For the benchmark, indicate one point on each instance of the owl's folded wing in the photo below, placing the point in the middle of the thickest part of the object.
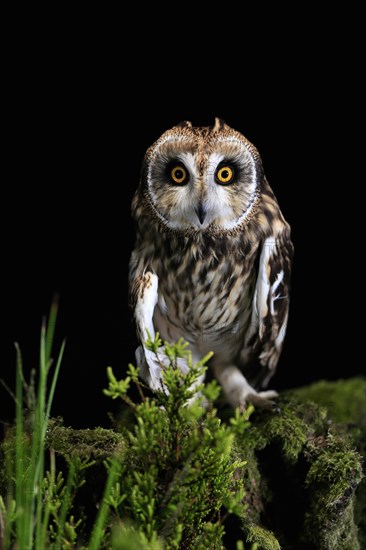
(264, 339)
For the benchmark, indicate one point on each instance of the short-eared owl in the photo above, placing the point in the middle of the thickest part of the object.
(212, 258)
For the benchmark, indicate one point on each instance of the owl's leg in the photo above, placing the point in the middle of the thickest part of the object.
(238, 391)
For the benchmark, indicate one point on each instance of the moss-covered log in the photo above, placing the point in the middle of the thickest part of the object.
(304, 464)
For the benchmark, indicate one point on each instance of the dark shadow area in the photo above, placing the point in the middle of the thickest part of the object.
(288, 501)
(73, 152)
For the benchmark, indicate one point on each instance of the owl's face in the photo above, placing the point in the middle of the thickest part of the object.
(202, 179)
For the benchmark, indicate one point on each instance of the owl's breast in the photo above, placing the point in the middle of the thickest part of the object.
(205, 299)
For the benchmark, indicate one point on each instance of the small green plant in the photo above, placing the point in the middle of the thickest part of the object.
(173, 486)
(180, 477)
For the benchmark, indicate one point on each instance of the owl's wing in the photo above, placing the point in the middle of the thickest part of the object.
(264, 339)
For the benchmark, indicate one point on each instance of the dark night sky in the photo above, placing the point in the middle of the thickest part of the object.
(78, 126)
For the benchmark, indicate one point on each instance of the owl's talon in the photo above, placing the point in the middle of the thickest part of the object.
(268, 394)
(261, 400)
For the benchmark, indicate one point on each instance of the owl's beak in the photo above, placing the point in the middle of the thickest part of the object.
(201, 212)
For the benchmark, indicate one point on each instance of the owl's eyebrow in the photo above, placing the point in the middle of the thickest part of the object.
(173, 147)
(189, 161)
(217, 159)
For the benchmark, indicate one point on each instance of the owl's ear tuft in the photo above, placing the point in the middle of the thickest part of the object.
(219, 124)
(184, 124)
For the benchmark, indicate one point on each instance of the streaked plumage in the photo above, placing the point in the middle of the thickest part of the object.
(212, 258)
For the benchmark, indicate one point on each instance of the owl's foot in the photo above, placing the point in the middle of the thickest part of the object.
(239, 393)
(263, 400)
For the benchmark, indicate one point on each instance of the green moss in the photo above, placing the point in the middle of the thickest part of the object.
(331, 532)
(262, 537)
(334, 466)
(254, 486)
(334, 474)
(285, 427)
(301, 476)
(360, 512)
(345, 400)
(97, 444)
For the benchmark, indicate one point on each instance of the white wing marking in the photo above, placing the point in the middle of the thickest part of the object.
(263, 291)
(263, 286)
(281, 334)
(274, 287)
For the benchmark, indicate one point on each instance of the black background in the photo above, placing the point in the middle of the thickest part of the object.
(79, 117)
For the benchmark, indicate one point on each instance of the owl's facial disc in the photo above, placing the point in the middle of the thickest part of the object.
(210, 189)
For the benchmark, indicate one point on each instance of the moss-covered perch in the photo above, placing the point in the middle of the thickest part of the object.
(172, 476)
(307, 466)
(304, 465)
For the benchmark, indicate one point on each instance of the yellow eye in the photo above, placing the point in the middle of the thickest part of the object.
(225, 175)
(179, 174)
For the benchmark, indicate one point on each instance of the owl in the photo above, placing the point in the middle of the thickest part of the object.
(212, 259)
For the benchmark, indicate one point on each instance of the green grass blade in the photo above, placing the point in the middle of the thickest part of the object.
(43, 413)
(51, 325)
(38, 440)
(42, 416)
(53, 385)
(21, 516)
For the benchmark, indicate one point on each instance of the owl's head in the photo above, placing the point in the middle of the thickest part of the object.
(202, 179)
